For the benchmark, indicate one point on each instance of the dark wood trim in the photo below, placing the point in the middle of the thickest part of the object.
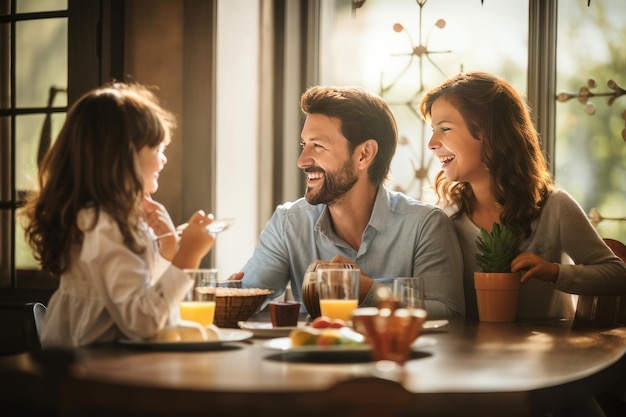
(112, 40)
(83, 36)
(200, 25)
(95, 45)
(278, 95)
(23, 296)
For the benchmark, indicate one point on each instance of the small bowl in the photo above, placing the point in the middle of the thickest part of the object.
(284, 313)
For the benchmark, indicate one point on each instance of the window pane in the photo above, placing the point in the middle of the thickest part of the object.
(30, 131)
(590, 148)
(5, 62)
(41, 62)
(5, 250)
(400, 62)
(30, 6)
(24, 258)
(5, 159)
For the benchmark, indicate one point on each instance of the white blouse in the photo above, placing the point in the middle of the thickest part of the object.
(109, 292)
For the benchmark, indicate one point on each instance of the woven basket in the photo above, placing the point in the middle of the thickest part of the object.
(231, 308)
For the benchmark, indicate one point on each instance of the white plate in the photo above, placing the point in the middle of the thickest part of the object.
(434, 324)
(226, 336)
(284, 344)
(265, 329)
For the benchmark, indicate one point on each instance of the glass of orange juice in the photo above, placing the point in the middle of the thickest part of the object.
(338, 292)
(199, 303)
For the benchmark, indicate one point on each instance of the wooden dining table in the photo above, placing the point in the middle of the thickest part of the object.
(462, 368)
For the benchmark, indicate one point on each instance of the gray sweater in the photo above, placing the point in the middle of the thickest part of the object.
(562, 234)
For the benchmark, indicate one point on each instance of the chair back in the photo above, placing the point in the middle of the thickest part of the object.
(617, 247)
(604, 310)
(33, 321)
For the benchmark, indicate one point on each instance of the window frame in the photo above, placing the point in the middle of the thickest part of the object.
(95, 53)
(542, 44)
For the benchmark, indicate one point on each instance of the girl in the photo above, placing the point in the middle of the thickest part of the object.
(93, 222)
(493, 171)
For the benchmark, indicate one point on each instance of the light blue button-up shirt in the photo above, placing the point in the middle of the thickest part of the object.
(404, 237)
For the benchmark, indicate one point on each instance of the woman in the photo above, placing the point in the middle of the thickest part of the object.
(493, 171)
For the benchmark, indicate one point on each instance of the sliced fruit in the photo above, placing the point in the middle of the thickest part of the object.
(302, 338)
(337, 324)
(321, 322)
(351, 337)
(329, 339)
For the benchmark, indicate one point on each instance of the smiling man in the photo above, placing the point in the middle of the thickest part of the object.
(347, 215)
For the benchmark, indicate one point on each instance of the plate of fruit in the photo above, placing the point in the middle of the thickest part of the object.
(323, 335)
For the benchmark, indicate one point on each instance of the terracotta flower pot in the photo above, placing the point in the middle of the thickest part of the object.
(496, 294)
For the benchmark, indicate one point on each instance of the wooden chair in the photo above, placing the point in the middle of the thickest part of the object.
(24, 393)
(20, 324)
(605, 310)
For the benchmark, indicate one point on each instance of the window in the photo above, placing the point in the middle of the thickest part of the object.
(590, 149)
(34, 36)
(51, 52)
(400, 48)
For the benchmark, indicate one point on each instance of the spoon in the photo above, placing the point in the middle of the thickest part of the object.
(215, 227)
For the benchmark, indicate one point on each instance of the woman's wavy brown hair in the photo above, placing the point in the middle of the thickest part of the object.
(93, 163)
(496, 114)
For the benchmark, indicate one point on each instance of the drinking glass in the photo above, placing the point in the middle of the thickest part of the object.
(389, 332)
(408, 292)
(310, 296)
(199, 303)
(392, 328)
(338, 292)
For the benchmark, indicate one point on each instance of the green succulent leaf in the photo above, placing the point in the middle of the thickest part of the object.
(497, 248)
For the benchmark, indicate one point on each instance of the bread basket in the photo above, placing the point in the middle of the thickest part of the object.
(237, 304)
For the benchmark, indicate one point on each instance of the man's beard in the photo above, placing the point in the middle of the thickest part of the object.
(336, 184)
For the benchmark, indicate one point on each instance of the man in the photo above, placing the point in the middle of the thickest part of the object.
(348, 140)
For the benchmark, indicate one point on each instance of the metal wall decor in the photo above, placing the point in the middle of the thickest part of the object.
(595, 217)
(585, 94)
(420, 161)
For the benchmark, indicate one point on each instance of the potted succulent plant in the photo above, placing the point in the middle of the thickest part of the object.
(496, 286)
